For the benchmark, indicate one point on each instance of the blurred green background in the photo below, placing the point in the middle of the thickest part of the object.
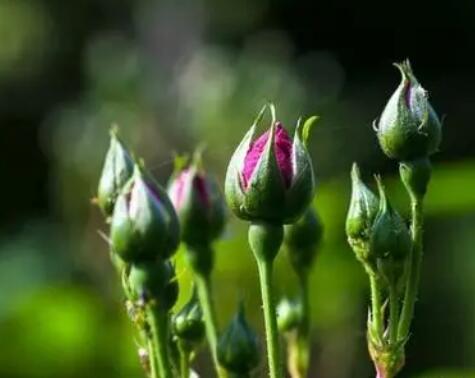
(174, 74)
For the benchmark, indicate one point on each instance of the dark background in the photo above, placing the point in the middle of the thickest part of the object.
(174, 74)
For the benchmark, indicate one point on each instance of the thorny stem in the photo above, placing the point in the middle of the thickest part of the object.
(414, 267)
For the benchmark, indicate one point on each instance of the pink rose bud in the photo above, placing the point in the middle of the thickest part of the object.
(198, 203)
(271, 178)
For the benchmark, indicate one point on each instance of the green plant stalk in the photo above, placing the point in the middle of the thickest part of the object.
(268, 305)
(153, 363)
(298, 347)
(184, 360)
(203, 287)
(393, 314)
(414, 267)
(158, 323)
(376, 305)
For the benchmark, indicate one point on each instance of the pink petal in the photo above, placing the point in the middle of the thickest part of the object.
(282, 149)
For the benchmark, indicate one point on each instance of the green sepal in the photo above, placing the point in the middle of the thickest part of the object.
(117, 170)
(360, 218)
(302, 188)
(144, 224)
(390, 240)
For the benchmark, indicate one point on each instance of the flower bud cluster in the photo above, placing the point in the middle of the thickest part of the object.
(376, 232)
(144, 228)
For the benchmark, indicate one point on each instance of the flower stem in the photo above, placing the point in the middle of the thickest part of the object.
(184, 360)
(268, 305)
(414, 267)
(393, 314)
(298, 341)
(265, 240)
(376, 305)
(204, 295)
(160, 362)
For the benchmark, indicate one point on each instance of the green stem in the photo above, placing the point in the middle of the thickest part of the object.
(158, 322)
(414, 267)
(393, 314)
(268, 305)
(203, 287)
(298, 343)
(152, 359)
(184, 360)
(376, 305)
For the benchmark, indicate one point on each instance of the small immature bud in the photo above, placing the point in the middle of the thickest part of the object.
(154, 281)
(117, 170)
(238, 347)
(360, 218)
(415, 175)
(144, 224)
(289, 315)
(301, 240)
(409, 127)
(188, 323)
(271, 179)
(390, 239)
(199, 204)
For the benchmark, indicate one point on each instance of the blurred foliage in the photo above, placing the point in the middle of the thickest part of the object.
(173, 76)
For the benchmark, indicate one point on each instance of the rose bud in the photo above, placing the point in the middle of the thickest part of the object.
(198, 203)
(289, 315)
(117, 170)
(188, 323)
(238, 347)
(144, 224)
(301, 240)
(409, 128)
(361, 214)
(271, 178)
(390, 239)
(154, 281)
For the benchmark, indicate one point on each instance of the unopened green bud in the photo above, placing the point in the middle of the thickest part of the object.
(188, 323)
(117, 170)
(271, 179)
(289, 315)
(144, 224)
(390, 239)
(238, 347)
(360, 218)
(409, 127)
(198, 202)
(301, 240)
(415, 175)
(154, 281)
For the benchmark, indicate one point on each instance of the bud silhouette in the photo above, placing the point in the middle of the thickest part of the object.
(238, 348)
(301, 240)
(289, 315)
(188, 323)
